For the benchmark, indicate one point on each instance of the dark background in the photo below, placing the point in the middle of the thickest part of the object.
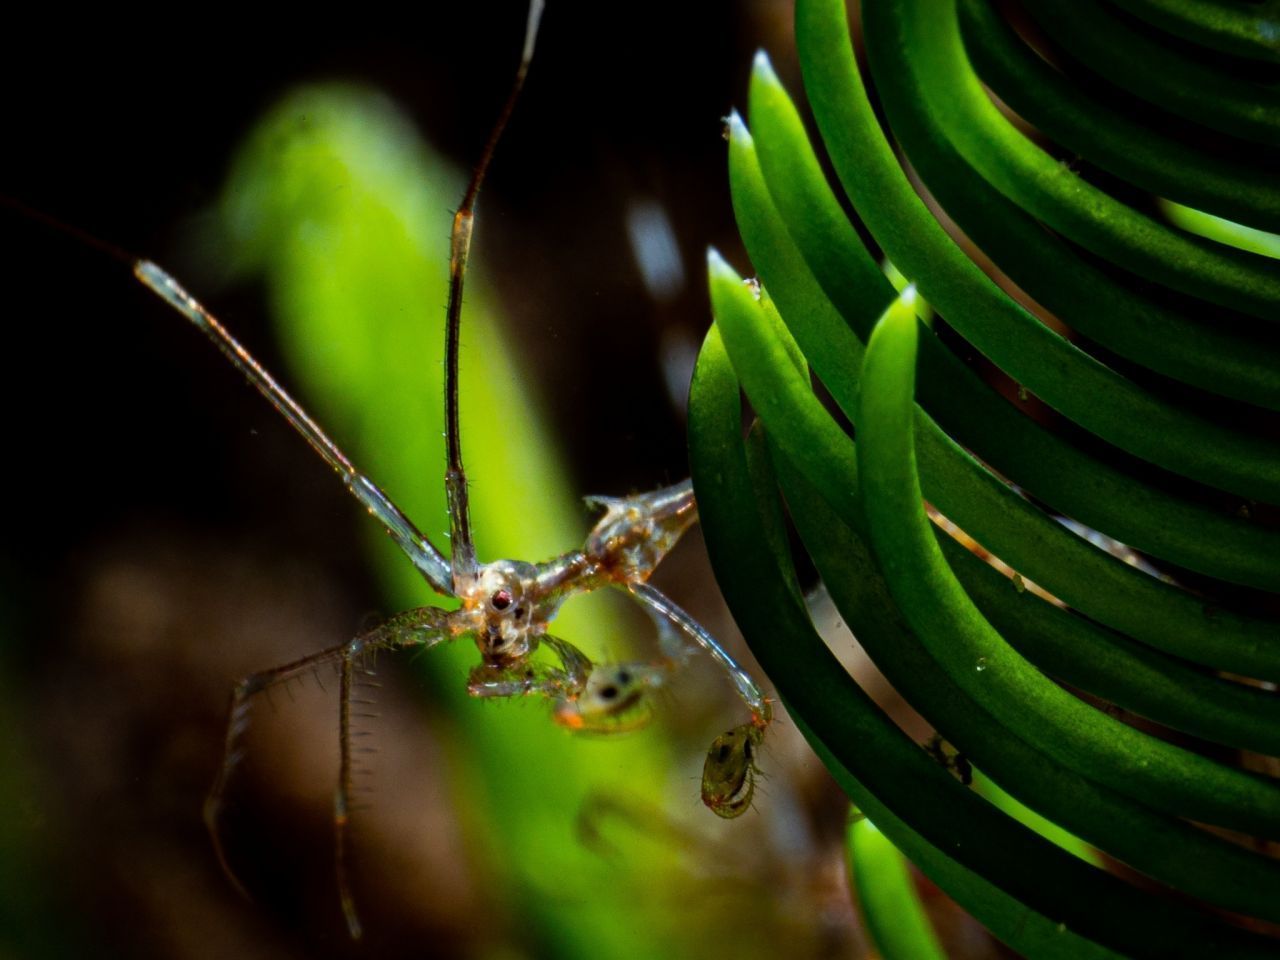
(144, 563)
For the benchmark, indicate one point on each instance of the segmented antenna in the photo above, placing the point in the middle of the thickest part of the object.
(463, 547)
(421, 551)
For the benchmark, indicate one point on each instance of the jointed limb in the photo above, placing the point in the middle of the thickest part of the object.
(237, 723)
(421, 551)
(659, 603)
(424, 626)
(342, 797)
(525, 681)
(462, 547)
(728, 774)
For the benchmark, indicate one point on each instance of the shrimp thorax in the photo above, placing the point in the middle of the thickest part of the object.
(499, 606)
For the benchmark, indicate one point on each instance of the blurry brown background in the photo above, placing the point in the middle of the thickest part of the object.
(143, 566)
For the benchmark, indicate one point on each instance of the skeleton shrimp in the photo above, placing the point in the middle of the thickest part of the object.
(506, 606)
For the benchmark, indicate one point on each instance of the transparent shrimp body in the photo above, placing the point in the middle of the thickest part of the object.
(506, 607)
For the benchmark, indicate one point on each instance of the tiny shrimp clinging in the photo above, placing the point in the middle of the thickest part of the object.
(506, 606)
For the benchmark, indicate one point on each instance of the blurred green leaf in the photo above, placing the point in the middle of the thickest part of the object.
(887, 897)
(341, 208)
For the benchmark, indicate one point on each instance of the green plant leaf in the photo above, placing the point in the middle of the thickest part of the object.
(888, 777)
(887, 899)
(1002, 520)
(953, 624)
(343, 211)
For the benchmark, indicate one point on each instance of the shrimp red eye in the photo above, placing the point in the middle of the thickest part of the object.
(501, 599)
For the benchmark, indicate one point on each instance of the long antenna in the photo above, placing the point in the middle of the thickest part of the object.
(463, 548)
(430, 562)
(421, 551)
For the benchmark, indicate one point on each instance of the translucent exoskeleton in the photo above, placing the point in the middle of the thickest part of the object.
(506, 606)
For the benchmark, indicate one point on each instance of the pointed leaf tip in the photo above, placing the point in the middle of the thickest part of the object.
(901, 312)
(762, 67)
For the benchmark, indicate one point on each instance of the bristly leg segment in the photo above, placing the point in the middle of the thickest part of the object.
(506, 606)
